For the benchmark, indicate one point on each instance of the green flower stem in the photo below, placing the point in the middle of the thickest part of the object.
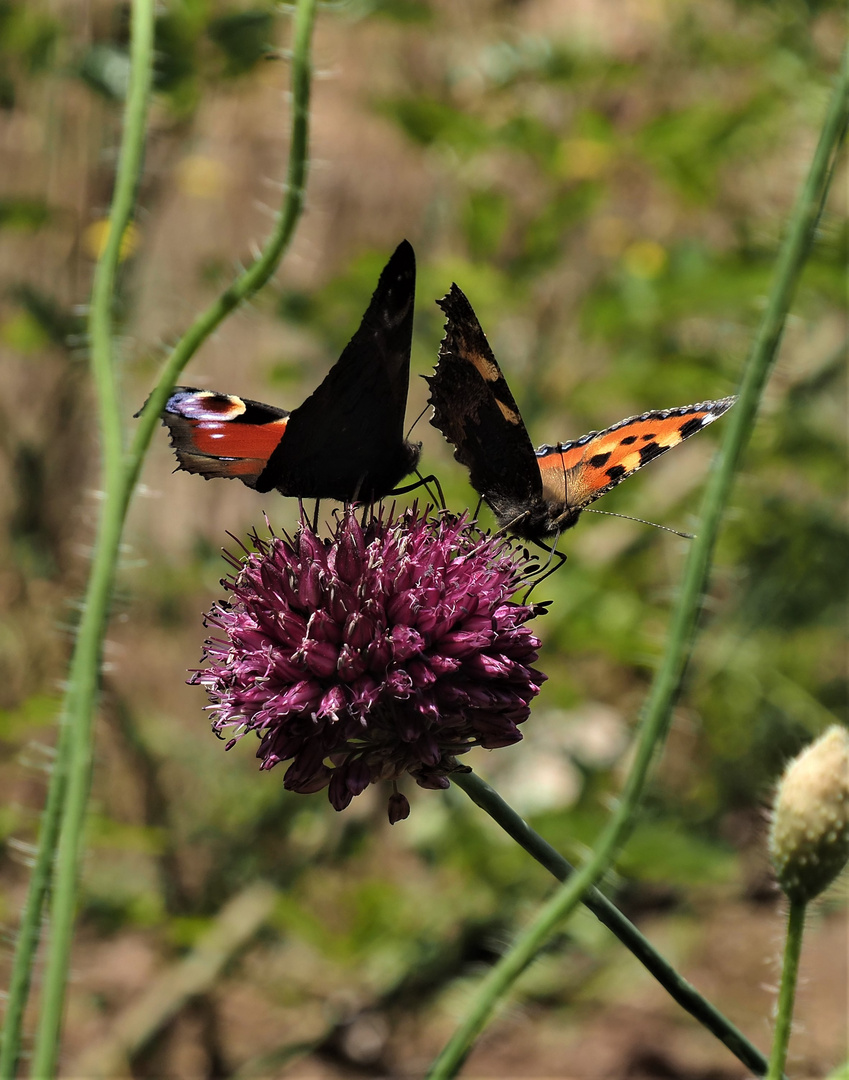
(29, 931)
(73, 760)
(787, 993)
(71, 767)
(610, 916)
(68, 793)
(656, 714)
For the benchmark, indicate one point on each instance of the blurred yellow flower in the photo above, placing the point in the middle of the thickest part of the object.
(200, 177)
(96, 235)
(644, 258)
(583, 159)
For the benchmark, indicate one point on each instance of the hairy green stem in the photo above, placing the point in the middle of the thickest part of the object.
(73, 760)
(787, 993)
(69, 786)
(29, 931)
(65, 806)
(610, 916)
(656, 714)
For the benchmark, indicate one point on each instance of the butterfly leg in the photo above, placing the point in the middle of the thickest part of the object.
(422, 481)
(549, 569)
(439, 499)
(315, 516)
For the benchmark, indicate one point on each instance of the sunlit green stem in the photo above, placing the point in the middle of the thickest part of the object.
(787, 993)
(656, 714)
(69, 786)
(73, 761)
(30, 926)
(610, 916)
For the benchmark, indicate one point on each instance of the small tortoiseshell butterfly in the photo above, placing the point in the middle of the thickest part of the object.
(345, 442)
(536, 493)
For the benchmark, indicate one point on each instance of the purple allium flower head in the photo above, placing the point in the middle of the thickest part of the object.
(391, 647)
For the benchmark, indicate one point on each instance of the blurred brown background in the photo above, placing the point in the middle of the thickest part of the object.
(607, 182)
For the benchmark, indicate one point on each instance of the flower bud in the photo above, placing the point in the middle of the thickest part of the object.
(399, 807)
(809, 838)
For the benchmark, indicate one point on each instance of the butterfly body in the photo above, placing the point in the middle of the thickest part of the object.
(345, 442)
(537, 493)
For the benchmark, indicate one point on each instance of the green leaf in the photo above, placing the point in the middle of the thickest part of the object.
(23, 213)
(245, 37)
(106, 69)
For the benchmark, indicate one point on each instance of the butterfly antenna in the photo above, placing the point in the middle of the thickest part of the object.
(412, 426)
(642, 521)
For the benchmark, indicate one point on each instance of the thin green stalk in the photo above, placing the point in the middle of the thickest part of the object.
(73, 762)
(86, 665)
(787, 993)
(69, 786)
(29, 931)
(657, 711)
(610, 916)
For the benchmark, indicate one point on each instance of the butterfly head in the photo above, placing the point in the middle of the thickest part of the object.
(535, 519)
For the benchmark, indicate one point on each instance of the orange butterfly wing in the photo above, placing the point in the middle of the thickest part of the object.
(221, 435)
(577, 473)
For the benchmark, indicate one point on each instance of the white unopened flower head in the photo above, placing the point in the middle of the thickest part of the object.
(809, 839)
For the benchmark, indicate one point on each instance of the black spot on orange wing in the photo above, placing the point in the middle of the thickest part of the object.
(691, 426)
(651, 450)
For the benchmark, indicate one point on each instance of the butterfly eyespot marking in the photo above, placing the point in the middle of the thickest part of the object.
(205, 405)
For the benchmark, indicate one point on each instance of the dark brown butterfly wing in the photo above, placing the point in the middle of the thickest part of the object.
(346, 441)
(474, 410)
